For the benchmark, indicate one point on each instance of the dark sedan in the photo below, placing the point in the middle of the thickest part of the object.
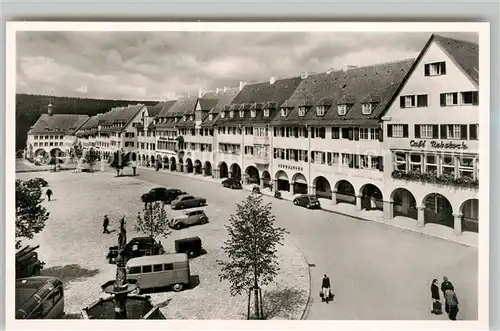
(188, 201)
(136, 247)
(161, 194)
(307, 200)
(232, 183)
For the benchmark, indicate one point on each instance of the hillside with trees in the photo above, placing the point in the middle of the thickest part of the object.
(29, 107)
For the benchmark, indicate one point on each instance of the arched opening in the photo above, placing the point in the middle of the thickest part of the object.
(208, 168)
(41, 153)
(197, 167)
(323, 188)
(252, 175)
(165, 162)
(56, 152)
(189, 165)
(345, 192)
(152, 161)
(143, 160)
(371, 197)
(173, 166)
(438, 210)
(133, 157)
(138, 159)
(404, 203)
(282, 181)
(266, 179)
(235, 171)
(223, 171)
(299, 184)
(470, 215)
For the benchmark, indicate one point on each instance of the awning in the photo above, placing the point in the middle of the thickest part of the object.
(300, 179)
(282, 176)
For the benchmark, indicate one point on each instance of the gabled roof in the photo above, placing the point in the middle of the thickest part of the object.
(165, 107)
(464, 53)
(119, 118)
(154, 110)
(182, 106)
(264, 92)
(58, 123)
(353, 86)
(207, 104)
(224, 99)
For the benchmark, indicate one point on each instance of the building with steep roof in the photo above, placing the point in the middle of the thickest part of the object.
(432, 138)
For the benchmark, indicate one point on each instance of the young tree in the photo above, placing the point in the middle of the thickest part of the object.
(119, 161)
(155, 221)
(76, 151)
(251, 250)
(91, 157)
(30, 214)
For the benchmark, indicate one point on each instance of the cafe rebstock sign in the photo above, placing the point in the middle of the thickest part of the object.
(438, 144)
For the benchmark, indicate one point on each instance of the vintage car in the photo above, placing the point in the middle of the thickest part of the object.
(136, 247)
(39, 298)
(307, 200)
(161, 194)
(27, 262)
(187, 201)
(188, 218)
(232, 183)
(192, 246)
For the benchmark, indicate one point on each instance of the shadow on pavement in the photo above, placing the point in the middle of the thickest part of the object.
(69, 272)
(283, 302)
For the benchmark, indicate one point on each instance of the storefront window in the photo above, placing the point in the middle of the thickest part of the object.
(400, 161)
(416, 163)
(448, 165)
(466, 168)
(346, 158)
(374, 162)
(364, 161)
(431, 163)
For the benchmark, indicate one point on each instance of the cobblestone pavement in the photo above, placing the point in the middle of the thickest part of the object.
(377, 272)
(74, 247)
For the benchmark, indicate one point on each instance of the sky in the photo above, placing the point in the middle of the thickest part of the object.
(158, 66)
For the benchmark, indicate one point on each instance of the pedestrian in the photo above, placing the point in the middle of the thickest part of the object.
(436, 303)
(49, 193)
(452, 303)
(446, 285)
(325, 288)
(105, 225)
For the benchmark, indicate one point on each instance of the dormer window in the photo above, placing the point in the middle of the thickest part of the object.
(266, 112)
(320, 110)
(210, 117)
(242, 113)
(342, 109)
(231, 114)
(176, 119)
(184, 118)
(366, 108)
(284, 112)
(253, 113)
(223, 114)
(191, 117)
(302, 111)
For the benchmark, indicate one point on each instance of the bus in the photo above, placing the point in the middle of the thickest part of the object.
(39, 298)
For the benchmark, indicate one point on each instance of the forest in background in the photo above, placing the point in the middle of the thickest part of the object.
(29, 107)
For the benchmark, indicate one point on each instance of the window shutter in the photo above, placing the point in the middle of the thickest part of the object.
(381, 163)
(296, 132)
(435, 131)
(356, 161)
(455, 98)
(475, 98)
(389, 130)
(356, 133)
(443, 131)
(380, 134)
(463, 132)
(472, 131)
(442, 99)
(306, 133)
(312, 156)
(443, 68)
(405, 131)
(417, 131)
(422, 100)
(287, 155)
(350, 133)
(351, 161)
(275, 129)
(426, 70)
(313, 132)
(402, 102)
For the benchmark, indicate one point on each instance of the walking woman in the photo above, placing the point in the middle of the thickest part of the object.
(436, 303)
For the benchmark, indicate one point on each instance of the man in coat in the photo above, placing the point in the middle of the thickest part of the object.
(452, 303)
(49, 193)
(446, 285)
(105, 224)
(325, 287)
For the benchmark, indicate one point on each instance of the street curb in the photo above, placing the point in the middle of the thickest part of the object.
(307, 308)
(352, 216)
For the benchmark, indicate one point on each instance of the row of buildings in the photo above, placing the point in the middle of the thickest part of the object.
(403, 133)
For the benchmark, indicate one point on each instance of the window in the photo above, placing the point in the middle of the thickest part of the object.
(184, 118)
(266, 112)
(231, 114)
(248, 150)
(223, 114)
(466, 167)
(374, 162)
(158, 267)
(408, 101)
(210, 117)
(283, 112)
(191, 117)
(431, 163)
(367, 133)
(366, 108)
(242, 113)
(341, 109)
(253, 113)
(416, 162)
(302, 111)
(400, 161)
(320, 110)
(364, 161)
(335, 158)
(398, 130)
(134, 270)
(449, 99)
(335, 133)
(473, 131)
(411, 101)
(426, 131)
(453, 131)
(435, 69)
(469, 98)
(168, 266)
(448, 165)
(346, 159)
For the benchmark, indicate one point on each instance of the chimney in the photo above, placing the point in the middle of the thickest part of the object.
(304, 75)
(349, 67)
(272, 80)
(200, 93)
(217, 91)
(49, 108)
(242, 84)
(225, 88)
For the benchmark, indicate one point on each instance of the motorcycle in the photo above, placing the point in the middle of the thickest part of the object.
(277, 195)
(256, 189)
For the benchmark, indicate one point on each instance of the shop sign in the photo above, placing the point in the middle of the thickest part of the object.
(290, 167)
(437, 144)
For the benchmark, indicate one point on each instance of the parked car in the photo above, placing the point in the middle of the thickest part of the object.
(232, 183)
(136, 247)
(161, 194)
(307, 200)
(187, 201)
(39, 298)
(188, 218)
(191, 246)
(27, 262)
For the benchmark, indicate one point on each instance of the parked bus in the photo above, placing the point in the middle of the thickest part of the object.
(159, 271)
(39, 298)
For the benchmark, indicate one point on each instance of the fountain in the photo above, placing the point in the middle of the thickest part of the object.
(121, 305)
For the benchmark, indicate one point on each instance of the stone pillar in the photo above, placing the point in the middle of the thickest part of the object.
(185, 168)
(457, 224)
(246, 179)
(421, 216)
(389, 209)
(312, 189)
(275, 184)
(358, 201)
(204, 171)
(215, 173)
(334, 196)
(261, 183)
